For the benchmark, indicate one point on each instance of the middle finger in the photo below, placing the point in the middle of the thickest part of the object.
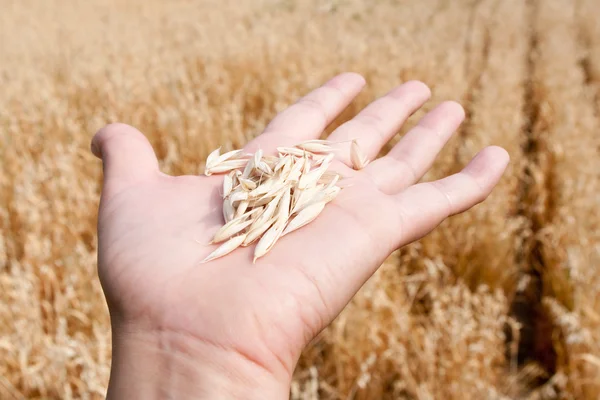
(377, 123)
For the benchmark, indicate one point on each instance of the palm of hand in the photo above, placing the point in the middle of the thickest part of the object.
(154, 228)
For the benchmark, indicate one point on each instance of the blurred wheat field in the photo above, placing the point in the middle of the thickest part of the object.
(501, 302)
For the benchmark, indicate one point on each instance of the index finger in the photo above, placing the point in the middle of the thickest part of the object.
(309, 116)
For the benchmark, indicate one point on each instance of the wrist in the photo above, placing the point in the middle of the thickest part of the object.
(171, 365)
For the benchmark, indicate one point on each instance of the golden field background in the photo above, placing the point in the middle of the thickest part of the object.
(501, 302)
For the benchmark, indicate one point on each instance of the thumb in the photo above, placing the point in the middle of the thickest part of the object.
(127, 156)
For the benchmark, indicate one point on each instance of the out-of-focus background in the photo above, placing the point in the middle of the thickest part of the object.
(501, 302)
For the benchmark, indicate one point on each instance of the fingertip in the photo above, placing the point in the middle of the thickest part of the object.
(105, 133)
(444, 119)
(355, 76)
(488, 166)
(500, 153)
(94, 149)
(416, 91)
(419, 86)
(347, 82)
(454, 109)
(125, 151)
(494, 156)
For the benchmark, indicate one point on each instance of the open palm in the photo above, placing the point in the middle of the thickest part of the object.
(154, 229)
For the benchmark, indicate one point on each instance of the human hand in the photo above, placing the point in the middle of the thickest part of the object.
(230, 328)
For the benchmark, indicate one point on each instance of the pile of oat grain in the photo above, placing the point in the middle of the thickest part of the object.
(267, 197)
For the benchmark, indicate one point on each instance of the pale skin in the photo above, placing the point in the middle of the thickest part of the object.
(233, 329)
